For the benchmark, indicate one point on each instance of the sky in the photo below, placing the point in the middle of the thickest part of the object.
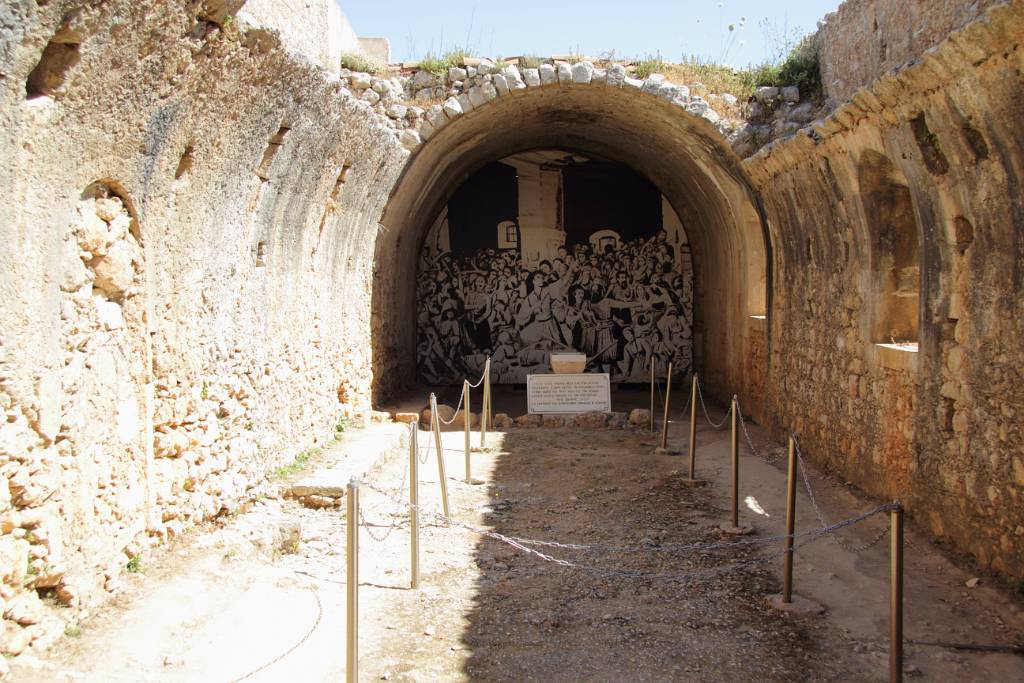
(673, 29)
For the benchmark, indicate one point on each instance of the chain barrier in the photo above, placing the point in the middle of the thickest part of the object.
(743, 423)
(524, 545)
(396, 515)
(462, 397)
(293, 648)
(370, 526)
(483, 376)
(843, 543)
(720, 425)
(839, 540)
(426, 451)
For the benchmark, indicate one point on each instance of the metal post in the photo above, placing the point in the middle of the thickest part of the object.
(465, 421)
(436, 419)
(787, 567)
(735, 466)
(651, 412)
(693, 426)
(664, 418)
(485, 405)
(414, 513)
(352, 585)
(896, 599)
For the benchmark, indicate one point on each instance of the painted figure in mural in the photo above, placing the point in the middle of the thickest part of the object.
(625, 304)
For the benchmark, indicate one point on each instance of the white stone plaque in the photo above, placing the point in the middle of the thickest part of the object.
(569, 393)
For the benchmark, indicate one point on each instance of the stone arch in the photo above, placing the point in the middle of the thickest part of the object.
(680, 151)
(894, 252)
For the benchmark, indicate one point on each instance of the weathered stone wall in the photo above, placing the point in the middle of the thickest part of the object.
(865, 38)
(189, 212)
(940, 426)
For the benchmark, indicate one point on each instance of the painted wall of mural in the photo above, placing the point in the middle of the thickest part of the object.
(551, 251)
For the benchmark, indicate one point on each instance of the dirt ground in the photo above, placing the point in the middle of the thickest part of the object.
(634, 607)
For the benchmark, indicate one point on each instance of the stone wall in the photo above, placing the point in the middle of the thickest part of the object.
(863, 39)
(199, 278)
(936, 424)
(190, 213)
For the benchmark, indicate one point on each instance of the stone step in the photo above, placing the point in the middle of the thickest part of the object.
(360, 453)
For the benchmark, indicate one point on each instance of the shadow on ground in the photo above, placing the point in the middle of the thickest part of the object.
(640, 614)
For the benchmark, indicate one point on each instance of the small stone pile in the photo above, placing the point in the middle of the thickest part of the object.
(419, 105)
(774, 113)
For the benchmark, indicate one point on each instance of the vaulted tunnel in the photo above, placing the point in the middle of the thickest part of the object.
(682, 154)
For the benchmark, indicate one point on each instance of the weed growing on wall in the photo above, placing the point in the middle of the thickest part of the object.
(357, 62)
(801, 68)
(439, 65)
(649, 65)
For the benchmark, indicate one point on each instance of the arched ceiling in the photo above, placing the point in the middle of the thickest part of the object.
(683, 154)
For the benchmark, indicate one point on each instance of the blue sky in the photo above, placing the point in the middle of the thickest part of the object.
(673, 28)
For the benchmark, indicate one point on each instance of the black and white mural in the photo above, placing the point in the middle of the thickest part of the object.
(549, 251)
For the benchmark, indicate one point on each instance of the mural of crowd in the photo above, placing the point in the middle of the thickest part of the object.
(624, 304)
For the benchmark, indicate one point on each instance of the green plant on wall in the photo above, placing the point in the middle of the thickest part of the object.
(353, 61)
(651, 64)
(439, 65)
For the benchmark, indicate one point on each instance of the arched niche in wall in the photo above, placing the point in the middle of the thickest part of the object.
(895, 260)
(107, 378)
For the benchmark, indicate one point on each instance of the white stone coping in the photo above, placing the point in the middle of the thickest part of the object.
(895, 356)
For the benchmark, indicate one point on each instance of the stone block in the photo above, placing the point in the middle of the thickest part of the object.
(554, 421)
(13, 559)
(791, 94)
(15, 638)
(564, 72)
(618, 420)
(639, 417)
(406, 418)
(653, 84)
(360, 80)
(218, 11)
(528, 421)
(25, 609)
(501, 421)
(582, 72)
(426, 130)
(452, 108)
(514, 78)
(594, 420)
(532, 77)
(410, 139)
(500, 84)
(766, 94)
(548, 74)
(616, 75)
(115, 271)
